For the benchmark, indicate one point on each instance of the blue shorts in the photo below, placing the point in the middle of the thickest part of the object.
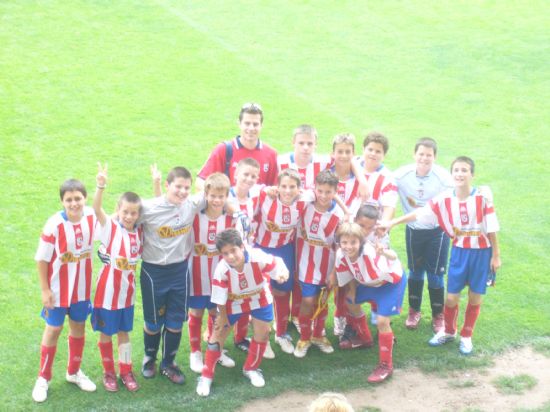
(77, 312)
(288, 254)
(164, 295)
(388, 298)
(469, 267)
(427, 251)
(309, 290)
(265, 314)
(201, 302)
(111, 322)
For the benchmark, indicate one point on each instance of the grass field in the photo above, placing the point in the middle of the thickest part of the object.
(136, 82)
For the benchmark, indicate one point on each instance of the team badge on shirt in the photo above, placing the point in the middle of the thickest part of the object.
(464, 219)
(243, 283)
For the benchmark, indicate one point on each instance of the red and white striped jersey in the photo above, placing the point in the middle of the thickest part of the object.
(368, 269)
(316, 243)
(245, 291)
(348, 191)
(116, 284)
(277, 222)
(250, 207)
(204, 256)
(382, 189)
(317, 164)
(466, 222)
(68, 247)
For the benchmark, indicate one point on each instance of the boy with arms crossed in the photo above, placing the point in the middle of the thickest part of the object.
(241, 286)
(113, 311)
(467, 216)
(427, 244)
(64, 262)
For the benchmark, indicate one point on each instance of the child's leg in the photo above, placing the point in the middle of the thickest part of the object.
(211, 320)
(306, 311)
(214, 350)
(319, 324)
(450, 312)
(472, 312)
(240, 329)
(282, 310)
(258, 344)
(48, 349)
(195, 326)
(105, 346)
(385, 346)
(77, 332)
(124, 353)
(296, 299)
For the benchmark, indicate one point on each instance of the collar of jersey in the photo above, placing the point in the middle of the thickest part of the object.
(241, 146)
(471, 193)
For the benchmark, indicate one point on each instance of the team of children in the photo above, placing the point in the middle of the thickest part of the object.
(240, 252)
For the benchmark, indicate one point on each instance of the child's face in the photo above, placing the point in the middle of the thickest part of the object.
(288, 190)
(215, 199)
(246, 176)
(462, 174)
(342, 153)
(251, 126)
(304, 145)
(128, 214)
(73, 203)
(324, 195)
(424, 158)
(366, 224)
(350, 246)
(178, 190)
(233, 255)
(373, 154)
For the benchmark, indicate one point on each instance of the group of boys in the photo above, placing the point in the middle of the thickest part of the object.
(198, 253)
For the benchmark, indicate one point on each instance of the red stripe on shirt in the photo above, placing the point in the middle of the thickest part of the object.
(117, 278)
(48, 239)
(100, 287)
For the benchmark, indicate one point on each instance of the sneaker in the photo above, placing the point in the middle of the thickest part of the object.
(373, 318)
(203, 386)
(129, 381)
(110, 382)
(413, 319)
(243, 345)
(323, 344)
(268, 353)
(353, 341)
(40, 390)
(149, 368)
(195, 361)
(466, 346)
(339, 325)
(82, 381)
(173, 373)
(285, 342)
(438, 323)
(441, 338)
(256, 377)
(382, 372)
(225, 360)
(296, 324)
(301, 348)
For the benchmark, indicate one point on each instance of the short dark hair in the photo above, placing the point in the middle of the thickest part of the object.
(178, 171)
(251, 108)
(72, 185)
(293, 174)
(377, 137)
(230, 237)
(464, 159)
(130, 197)
(327, 177)
(368, 211)
(426, 142)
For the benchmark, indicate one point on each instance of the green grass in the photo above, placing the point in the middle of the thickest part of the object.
(137, 82)
(514, 385)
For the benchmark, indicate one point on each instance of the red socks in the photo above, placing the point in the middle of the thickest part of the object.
(470, 317)
(255, 355)
(319, 323)
(106, 351)
(385, 347)
(282, 310)
(296, 300)
(305, 327)
(47, 355)
(210, 359)
(340, 303)
(240, 330)
(76, 347)
(360, 326)
(195, 326)
(451, 315)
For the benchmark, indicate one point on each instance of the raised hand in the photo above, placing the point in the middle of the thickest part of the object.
(101, 177)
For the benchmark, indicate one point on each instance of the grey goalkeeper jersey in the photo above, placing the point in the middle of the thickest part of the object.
(167, 229)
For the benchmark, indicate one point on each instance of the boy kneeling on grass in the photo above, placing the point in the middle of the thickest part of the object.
(240, 287)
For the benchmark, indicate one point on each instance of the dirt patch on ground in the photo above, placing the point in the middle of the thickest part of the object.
(470, 390)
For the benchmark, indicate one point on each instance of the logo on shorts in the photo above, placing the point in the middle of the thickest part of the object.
(162, 310)
(46, 313)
